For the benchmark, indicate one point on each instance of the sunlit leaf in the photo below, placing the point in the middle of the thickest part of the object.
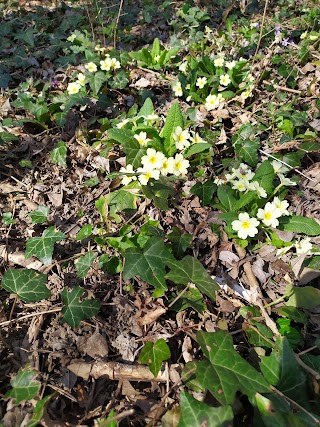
(153, 354)
(27, 284)
(39, 215)
(42, 247)
(24, 385)
(76, 310)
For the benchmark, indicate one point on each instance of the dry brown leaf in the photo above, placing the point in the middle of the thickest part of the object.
(95, 345)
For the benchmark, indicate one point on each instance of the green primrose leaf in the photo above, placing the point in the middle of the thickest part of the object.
(39, 215)
(226, 195)
(265, 175)
(189, 269)
(149, 264)
(84, 264)
(147, 109)
(42, 247)
(59, 154)
(282, 370)
(197, 414)
(305, 297)
(153, 354)
(24, 385)
(196, 149)
(6, 137)
(76, 310)
(85, 232)
(300, 224)
(120, 135)
(174, 119)
(38, 411)
(27, 284)
(155, 48)
(226, 372)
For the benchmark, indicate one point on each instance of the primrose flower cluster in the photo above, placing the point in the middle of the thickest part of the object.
(155, 164)
(221, 75)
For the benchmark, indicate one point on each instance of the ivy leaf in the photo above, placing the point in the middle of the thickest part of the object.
(198, 414)
(27, 284)
(282, 370)
(42, 247)
(226, 372)
(174, 119)
(120, 80)
(153, 354)
(204, 191)
(147, 109)
(38, 411)
(59, 154)
(84, 264)
(300, 224)
(85, 232)
(247, 150)
(96, 81)
(149, 264)
(181, 241)
(122, 199)
(134, 152)
(24, 385)
(265, 175)
(39, 215)
(189, 269)
(76, 310)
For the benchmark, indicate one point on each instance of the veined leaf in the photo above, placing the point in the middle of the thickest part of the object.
(226, 372)
(247, 150)
(196, 148)
(39, 215)
(174, 119)
(96, 80)
(300, 224)
(42, 247)
(76, 310)
(27, 284)
(189, 269)
(227, 197)
(265, 175)
(204, 191)
(149, 264)
(120, 135)
(305, 297)
(153, 354)
(134, 152)
(147, 108)
(24, 385)
(198, 414)
(84, 264)
(58, 155)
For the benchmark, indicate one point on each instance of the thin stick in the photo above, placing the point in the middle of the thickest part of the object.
(307, 350)
(286, 164)
(118, 417)
(116, 26)
(261, 31)
(179, 295)
(27, 316)
(285, 89)
(307, 368)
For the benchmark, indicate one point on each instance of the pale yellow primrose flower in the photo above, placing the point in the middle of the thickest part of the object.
(286, 181)
(246, 94)
(156, 58)
(147, 175)
(167, 166)
(196, 138)
(279, 167)
(230, 64)
(201, 82)
(183, 66)
(127, 179)
(218, 62)
(269, 215)
(91, 67)
(122, 124)
(304, 246)
(213, 101)
(115, 64)
(152, 160)
(73, 88)
(106, 64)
(243, 173)
(177, 88)
(71, 38)
(180, 165)
(181, 138)
(282, 205)
(245, 226)
(241, 185)
(142, 138)
(304, 35)
(313, 37)
(255, 186)
(225, 80)
(81, 78)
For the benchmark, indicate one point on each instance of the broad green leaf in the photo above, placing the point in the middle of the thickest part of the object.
(244, 200)
(312, 361)
(292, 313)
(196, 148)
(247, 150)
(29, 285)
(174, 119)
(300, 224)
(226, 195)
(58, 155)
(305, 297)
(24, 385)
(6, 137)
(122, 199)
(42, 247)
(199, 414)
(120, 135)
(39, 215)
(204, 191)
(147, 109)
(310, 146)
(134, 152)
(226, 372)
(85, 232)
(84, 264)
(189, 269)
(169, 54)
(27, 36)
(181, 241)
(155, 51)
(282, 370)
(274, 410)
(265, 175)
(96, 80)
(153, 354)
(159, 191)
(120, 80)
(149, 264)
(314, 263)
(192, 297)
(76, 310)
(7, 219)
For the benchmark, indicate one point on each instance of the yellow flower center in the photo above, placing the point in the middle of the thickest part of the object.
(178, 165)
(268, 215)
(153, 159)
(246, 224)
